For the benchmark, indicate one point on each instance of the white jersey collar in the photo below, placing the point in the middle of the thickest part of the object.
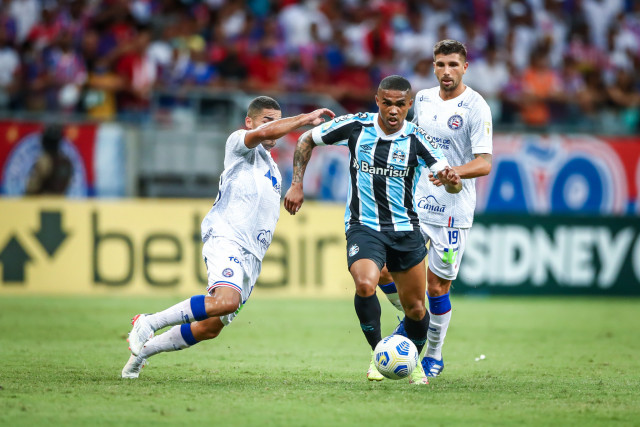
(456, 99)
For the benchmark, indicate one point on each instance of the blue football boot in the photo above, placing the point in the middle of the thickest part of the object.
(432, 367)
(399, 330)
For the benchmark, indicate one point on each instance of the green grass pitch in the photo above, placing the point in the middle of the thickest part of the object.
(549, 361)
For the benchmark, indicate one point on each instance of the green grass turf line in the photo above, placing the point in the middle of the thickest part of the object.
(549, 361)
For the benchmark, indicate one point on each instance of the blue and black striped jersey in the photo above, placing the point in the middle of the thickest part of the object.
(383, 170)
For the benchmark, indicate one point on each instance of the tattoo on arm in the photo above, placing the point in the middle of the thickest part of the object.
(486, 156)
(301, 156)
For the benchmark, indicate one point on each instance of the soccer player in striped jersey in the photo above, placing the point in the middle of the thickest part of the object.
(459, 120)
(387, 156)
(236, 234)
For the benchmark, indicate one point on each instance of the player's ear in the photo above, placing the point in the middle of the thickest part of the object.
(248, 122)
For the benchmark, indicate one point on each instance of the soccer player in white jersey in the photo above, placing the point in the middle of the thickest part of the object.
(459, 121)
(236, 234)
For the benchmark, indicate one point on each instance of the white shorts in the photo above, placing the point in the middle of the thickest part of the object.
(229, 265)
(446, 248)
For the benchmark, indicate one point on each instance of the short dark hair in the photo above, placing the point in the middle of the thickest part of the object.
(395, 83)
(446, 47)
(262, 103)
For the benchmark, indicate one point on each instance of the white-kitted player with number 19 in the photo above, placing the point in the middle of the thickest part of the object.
(459, 121)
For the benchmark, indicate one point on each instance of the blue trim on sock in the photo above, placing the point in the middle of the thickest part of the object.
(197, 307)
(439, 305)
(187, 335)
(389, 288)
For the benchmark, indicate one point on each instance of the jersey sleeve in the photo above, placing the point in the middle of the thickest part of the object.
(235, 145)
(337, 131)
(481, 130)
(429, 154)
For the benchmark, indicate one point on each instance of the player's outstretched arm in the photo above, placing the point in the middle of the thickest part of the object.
(295, 196)
(480, 166)
(279, 128)
(450, 179)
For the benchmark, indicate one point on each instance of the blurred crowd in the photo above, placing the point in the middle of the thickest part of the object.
(537, 62)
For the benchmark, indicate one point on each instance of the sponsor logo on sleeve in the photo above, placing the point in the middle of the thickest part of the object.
(426, 136)
(361, 116)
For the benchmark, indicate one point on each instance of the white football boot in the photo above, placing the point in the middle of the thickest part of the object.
(133, 367)
(140, 333)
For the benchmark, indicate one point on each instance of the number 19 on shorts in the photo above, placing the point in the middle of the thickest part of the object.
(451, 253)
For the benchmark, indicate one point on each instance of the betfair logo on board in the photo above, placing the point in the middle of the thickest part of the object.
(14, 257)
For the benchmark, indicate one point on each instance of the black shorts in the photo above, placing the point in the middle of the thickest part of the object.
(400, 250)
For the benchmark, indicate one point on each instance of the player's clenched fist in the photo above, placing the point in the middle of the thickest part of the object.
(448, 176)
(450, 179)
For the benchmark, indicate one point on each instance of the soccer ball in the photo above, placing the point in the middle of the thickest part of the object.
(395, 357)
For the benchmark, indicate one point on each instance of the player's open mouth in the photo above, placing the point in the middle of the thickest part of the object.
(393, 121)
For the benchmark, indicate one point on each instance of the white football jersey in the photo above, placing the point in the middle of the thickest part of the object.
(462, 127)
(248, 204)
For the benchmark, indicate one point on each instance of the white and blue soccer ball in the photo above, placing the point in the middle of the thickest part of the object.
(395, 357)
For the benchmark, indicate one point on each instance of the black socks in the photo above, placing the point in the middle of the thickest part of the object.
(417, 330)
(368, 311)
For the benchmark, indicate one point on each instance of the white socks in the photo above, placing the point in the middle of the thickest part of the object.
(440, 312)
(187, 311)
(171, 340)
(438, 325)
(392, 294)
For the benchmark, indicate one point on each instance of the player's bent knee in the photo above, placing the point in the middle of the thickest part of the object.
(415, 311)
(207, 329)
(366, 289)
(436, 285)
(438, 289)
(365, 275)
(223, 301)
(229, 305)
